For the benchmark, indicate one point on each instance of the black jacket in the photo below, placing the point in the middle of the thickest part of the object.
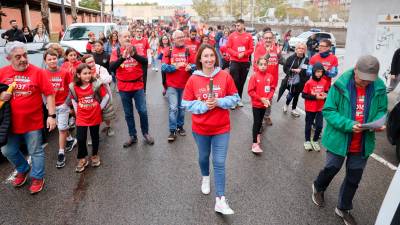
(102, 59)
(5, 118)
(312, 45)
(395, 68)
(14, 35)
(293, 62)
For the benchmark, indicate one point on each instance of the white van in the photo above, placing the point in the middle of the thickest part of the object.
(76, 35)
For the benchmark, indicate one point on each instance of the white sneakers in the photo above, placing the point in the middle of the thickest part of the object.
(221, 206)
(205, 185)
(309, 146)
(255, 148)
(285, 108)
(295, 113)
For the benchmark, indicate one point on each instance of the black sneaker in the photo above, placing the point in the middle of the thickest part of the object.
(172, 136)
(317, 197)
(348, 219)
(181, 131)
(70, 145)
(60, 160)
(130, 142)
(148, 139)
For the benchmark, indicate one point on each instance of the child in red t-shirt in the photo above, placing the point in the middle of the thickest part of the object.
(60, 80)
(261, 91)
(88, 110)
(314, 92)
(71, 61)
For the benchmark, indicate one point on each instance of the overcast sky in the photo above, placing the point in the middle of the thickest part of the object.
(160, 2)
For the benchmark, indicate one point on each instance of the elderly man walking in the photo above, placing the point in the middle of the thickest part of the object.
(357, 97)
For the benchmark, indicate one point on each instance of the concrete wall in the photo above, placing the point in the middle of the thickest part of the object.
(361, 29)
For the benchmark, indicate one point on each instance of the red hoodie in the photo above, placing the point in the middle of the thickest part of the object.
(313, 87)
(261, 85)
(178, 78)
(273, 62)
(217, 120)
(328, 63)
(240, 42)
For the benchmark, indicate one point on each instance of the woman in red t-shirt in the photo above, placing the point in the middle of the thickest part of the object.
(165, 43)
(87, 93)
(208, 95)
(71, 61)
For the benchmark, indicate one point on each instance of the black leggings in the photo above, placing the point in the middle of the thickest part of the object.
(144, 67)
(81, 135)
(258, 115)
(239, 71)
(310, 117)
(164, 79)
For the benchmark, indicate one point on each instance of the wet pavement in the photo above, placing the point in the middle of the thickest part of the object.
(160, 184)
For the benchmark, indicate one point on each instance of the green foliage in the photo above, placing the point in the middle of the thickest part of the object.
(91, 4)
(142, 4)
(205, 8)
(234, 7)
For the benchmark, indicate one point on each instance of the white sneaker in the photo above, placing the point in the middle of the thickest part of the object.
(285, 108)
(222, 206)
(295, 113)
(315, 146)
(308, 146)
(205, 185)
(240, 104)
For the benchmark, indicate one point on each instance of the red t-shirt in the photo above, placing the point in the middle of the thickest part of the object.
(215, 121)
(328, 63)
(211, 39)
(70, 67)
(313, 87)
(178, 78)
(225, 53)
(141, 46)
(355, 145)
(193, 46)
(88, 110)
(27, 102)
(240, 42)
(130, 70)
(89, 47)
(60, 80)
(261, 85)
(273, 62)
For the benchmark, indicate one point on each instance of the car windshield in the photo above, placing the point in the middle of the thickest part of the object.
(305, 34)
(81, 32)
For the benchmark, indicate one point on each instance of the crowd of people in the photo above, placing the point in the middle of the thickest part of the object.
(25, 35)
(203, 72)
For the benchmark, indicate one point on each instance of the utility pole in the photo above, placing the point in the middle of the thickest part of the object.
(241, 9)
(102, 11)
(252, 13)
(112, 11)
(63, 19)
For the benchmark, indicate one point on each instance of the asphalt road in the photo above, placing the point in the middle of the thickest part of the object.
(160, 184)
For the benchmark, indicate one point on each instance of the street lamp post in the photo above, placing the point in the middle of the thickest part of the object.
(241, 9)
(63, 19)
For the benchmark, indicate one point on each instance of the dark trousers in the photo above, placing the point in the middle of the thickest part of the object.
(292, 96)
(164, 79)
(355, 165)
(319, 122)
(140, 103)
(81, 135)
(258, 116)
(239, 71)
(144, 67)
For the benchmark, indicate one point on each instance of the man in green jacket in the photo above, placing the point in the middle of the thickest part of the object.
(357, 97)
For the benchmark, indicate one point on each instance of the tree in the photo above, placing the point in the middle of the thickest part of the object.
(44, 11)
(313, 12)
(205, 8)
(237, 8)
(263, 5)
(73, 11)
(90, 4)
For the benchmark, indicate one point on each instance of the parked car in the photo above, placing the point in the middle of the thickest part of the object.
(76, 35)
(304, 37)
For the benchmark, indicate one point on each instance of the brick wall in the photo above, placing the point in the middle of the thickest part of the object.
(36, 18)
(12, 13)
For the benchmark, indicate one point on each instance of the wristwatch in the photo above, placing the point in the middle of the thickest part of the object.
(52, 116)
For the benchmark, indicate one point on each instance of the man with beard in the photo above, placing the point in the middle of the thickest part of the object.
(13, 34)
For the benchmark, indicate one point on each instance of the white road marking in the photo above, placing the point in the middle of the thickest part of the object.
(383, 161)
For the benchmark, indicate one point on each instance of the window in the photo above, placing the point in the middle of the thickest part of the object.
(81, 32)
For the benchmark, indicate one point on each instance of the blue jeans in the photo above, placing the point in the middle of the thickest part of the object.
(219, 146)
(176, 110)
(355, 165)
(140, 103)
(33, 140)
(154, 62)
